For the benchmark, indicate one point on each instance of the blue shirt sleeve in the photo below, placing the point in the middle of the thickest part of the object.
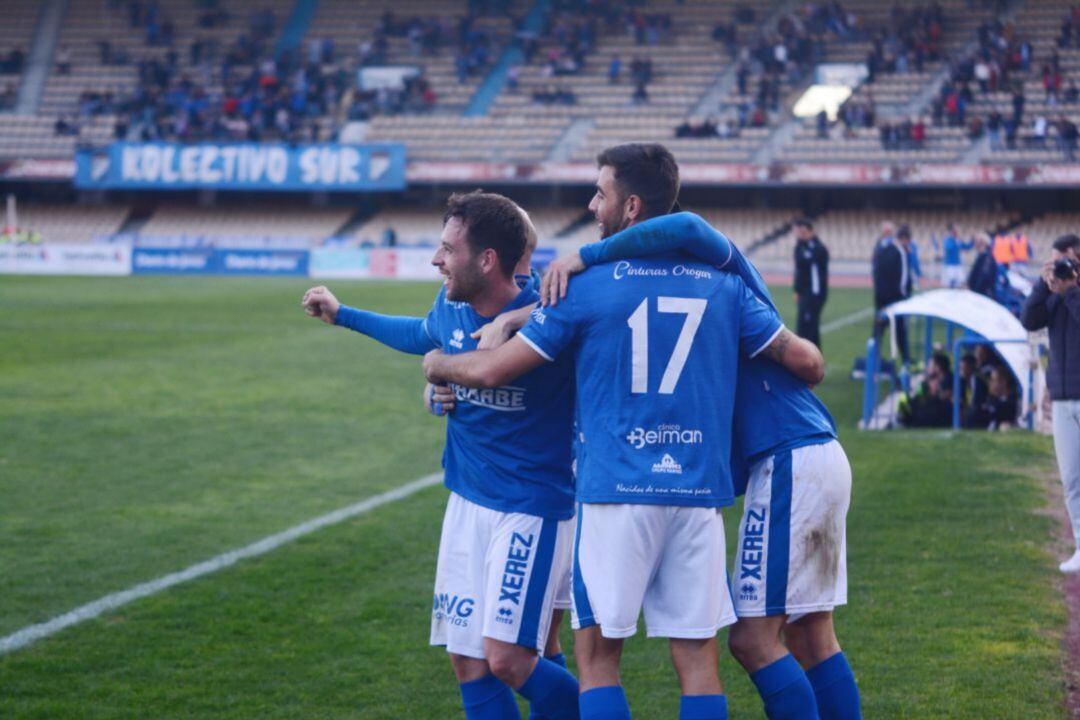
(758, 323)
(679, 231)
(406, 334)
(551, 329)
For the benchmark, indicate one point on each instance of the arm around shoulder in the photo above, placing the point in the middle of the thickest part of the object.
(800, 357)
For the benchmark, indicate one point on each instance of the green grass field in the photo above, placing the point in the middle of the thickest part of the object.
(147, 424)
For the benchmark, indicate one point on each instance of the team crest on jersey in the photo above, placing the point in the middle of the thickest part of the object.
(457, 338)
(667, 465)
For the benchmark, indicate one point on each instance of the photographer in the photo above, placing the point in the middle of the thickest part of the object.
(1055, 304)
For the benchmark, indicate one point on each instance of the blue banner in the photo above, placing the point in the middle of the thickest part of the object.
(241, 166)
(207, 261)
(172, 261)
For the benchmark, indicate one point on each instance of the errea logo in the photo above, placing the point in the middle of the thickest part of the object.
(667, 466)
(457, 338)
(538, 315)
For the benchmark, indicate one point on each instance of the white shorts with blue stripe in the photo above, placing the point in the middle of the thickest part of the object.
(666, 560)
(498, 576)
(792, 553)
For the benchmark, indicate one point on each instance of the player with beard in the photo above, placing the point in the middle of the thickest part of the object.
(507, 532)
(649, 338)
(791, 571)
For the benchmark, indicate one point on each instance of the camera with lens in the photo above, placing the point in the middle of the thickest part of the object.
(1066, 269)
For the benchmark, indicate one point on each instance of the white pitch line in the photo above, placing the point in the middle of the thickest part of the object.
(33, 633)
(842, 322)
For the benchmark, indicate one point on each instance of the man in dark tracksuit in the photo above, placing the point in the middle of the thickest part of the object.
(1054, 304)
(983, 275)
(811, 280)
(892, 283)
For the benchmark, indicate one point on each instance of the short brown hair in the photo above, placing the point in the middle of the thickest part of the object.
(491, 221)
(647, 170)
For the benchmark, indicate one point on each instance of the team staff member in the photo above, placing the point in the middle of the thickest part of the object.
(892, 283)
(811, 280)
(1054, 304)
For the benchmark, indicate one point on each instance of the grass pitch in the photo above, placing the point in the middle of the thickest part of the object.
(147, 424)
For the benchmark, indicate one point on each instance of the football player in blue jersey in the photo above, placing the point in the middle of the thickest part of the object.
(790, 568)
(649, 339)
(508, 531)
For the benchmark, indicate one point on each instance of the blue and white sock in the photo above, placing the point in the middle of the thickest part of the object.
(703, 707)
(552, 692)
(786, 691)
(835, 689)
(489, 698)
(604, 703)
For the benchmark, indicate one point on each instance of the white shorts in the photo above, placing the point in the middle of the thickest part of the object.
(952, 275)
(792, 553)
(669, 560)
(498, 576)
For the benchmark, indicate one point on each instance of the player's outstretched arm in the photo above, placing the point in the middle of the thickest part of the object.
(683, 231)
(679, 231)
(483, 368)
(405, 334)
(800, 357)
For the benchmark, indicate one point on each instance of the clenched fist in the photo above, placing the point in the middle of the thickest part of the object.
(321, 303)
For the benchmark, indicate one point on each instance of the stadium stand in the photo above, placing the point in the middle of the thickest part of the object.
(1043, 230)
(1030, 79)
(851, 234)
(18, 26)
(413, 226)
(451, 44)
(248, 226)
(71, 223)
(905, 47)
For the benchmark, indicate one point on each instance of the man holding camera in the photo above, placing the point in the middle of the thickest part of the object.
(1055, 304)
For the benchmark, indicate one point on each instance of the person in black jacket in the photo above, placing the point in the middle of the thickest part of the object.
(983, 275)
(892, 283)
(1054, 304)
(811, 279)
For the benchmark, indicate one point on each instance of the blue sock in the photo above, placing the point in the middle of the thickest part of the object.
(489, 698)
(560, 660)
(835, 689)
(786, 691)
(604, 703)
(703, 707)
(552, 692)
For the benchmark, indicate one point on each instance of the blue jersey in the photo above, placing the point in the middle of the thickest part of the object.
(507, 449)
(656, 344)
(774, 410)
